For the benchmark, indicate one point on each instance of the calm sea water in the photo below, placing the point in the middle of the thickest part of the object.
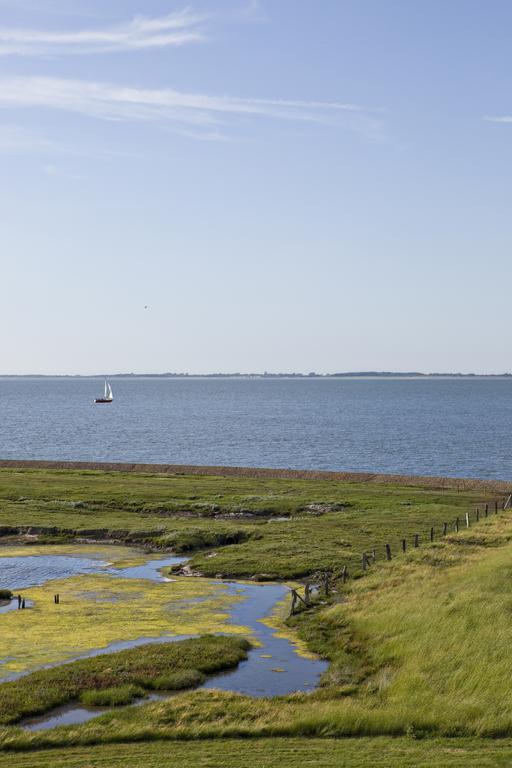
(458, 427)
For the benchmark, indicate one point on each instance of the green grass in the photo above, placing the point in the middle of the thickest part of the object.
(419, 647)
(118, 696)
(198, 513)
(119, 678)
(276, 753)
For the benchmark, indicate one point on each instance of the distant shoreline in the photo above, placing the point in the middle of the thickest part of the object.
(347, 375)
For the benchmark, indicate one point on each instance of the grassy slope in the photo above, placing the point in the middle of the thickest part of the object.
(424, 640)
(275, 753)
(165, 667)
(372, 516)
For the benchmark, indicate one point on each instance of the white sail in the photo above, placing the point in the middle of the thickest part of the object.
(109, 392)
(106, 389)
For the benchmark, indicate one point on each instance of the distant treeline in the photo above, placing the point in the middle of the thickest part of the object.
(266, 375)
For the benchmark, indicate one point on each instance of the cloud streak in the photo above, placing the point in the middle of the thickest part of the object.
(174, 29)
(498, 119)
(109, 101)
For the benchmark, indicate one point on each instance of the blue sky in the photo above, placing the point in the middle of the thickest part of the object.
(285, 184)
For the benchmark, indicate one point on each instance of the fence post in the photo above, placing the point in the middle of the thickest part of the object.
(364, 561)
(486, 510)
(404, 545)
(388, 552)
(416, 539)
(477, 515)
(344, 574)
(431, 534)
(445, 529)
(457, 525)
(495, 507)
(467, 519)
(374, 555)
(326, 584)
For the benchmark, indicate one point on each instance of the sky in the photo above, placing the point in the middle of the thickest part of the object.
(251, 185)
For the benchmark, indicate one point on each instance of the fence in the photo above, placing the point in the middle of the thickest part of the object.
(324, 580)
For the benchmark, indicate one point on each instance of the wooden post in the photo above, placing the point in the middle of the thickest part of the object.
(307, 594)
(374, 555)
(445, 529)
(467, 519)
(294, 602)
(364, 561)
(404, 545)
(457, 525)
(477, 515)
(388, 552)
(431, 534)
(344, 574)
(326, 584)
(486, 510)
(23, 603)
(495, 507)
(416, 539)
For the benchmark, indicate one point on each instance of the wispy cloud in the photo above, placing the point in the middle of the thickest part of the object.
(252, 11)
(141, 32)
(498, 119)
(18, 140)
(15, 140)
(117, 102)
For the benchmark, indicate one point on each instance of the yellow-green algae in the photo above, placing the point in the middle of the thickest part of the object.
(99, 609)
(277, 621)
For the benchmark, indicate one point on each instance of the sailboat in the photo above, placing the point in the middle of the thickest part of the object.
(108, 396)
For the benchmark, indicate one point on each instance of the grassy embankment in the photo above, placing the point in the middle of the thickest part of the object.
(120, 678)
(329, 522)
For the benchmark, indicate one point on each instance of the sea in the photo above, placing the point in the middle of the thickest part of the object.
(459, 427)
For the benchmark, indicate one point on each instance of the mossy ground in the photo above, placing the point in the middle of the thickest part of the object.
(96, 610)
(196, 512)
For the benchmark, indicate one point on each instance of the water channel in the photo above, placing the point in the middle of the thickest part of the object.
(273, 667)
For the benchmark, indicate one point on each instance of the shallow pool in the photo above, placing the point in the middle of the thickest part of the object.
(274, 667)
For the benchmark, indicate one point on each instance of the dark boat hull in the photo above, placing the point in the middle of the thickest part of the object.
(103, 400)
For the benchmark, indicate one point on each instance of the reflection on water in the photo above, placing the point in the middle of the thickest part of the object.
(74, 714)
(25, 571)
(258, 676)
